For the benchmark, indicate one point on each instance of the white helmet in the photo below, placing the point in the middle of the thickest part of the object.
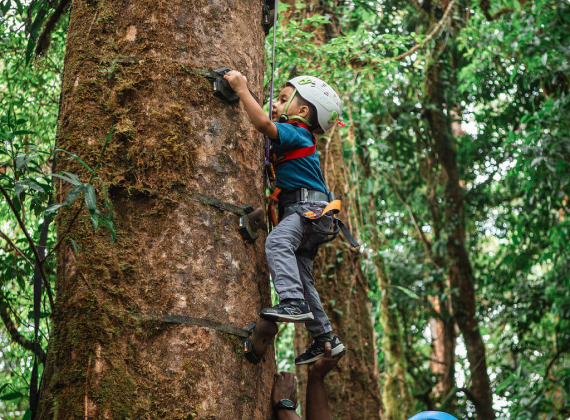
(321, 96)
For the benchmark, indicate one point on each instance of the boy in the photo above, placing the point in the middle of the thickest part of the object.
(305, 105)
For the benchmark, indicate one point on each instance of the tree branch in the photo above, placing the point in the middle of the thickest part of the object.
(424, 240)
(44, 40)
(449, 398)
(15, 248)
(416, 47)
(32, 245)
(64, 235)
(486, 5)
(556, 356)
(18, 337)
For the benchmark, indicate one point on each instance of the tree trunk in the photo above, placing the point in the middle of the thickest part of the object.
(396, 392)
(397, 395)
(132, 66)
(354, 388)
(442, 363)
(459, 266)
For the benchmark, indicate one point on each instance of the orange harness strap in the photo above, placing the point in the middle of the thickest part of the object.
(273, 200)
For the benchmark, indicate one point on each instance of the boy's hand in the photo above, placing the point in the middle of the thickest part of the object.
(256, 114)
(237, 81)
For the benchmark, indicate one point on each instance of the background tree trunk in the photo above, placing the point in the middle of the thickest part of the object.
(354, 388)
(131, 65)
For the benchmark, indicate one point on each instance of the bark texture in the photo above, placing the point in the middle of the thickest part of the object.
(442, 363)
(396, 392)
(354, 388)
(132, 66)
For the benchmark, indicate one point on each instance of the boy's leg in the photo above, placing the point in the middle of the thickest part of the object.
(320, 328)
(280, 248)
(321, 325)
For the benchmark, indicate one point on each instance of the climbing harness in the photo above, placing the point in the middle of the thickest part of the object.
(315, 235)
(295, 153)
(250, 220)
(318, 229)
(246, 333)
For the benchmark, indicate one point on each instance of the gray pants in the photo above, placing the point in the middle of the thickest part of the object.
(292, 274)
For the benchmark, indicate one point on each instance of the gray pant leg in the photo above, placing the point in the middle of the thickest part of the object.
(280, 248)
(321, 324)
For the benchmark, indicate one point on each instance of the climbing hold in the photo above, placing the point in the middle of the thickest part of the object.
(261, 335)
(250, 220)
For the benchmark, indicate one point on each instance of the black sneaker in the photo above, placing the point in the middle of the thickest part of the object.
(288, 311)
(317, 350)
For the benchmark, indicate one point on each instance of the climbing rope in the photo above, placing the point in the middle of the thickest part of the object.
(268, 165)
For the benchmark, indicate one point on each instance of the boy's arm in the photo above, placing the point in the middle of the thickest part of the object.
(258, 117)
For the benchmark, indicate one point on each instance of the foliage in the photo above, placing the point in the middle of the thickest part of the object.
(508, 83)
(506, 86)
(28, 118)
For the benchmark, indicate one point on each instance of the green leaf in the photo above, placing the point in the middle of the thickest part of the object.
(74, 156)
(53, 208)
(406, 291)
(42, 314)
(95, 222)
(90, 197)
(74, 245)
(11, 396)
(73, 194)
(23, 160)
(71, 179)
(27, 415)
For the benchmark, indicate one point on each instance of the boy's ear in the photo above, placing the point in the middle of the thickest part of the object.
(304, 111)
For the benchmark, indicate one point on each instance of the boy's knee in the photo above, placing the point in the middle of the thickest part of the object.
(279, 242)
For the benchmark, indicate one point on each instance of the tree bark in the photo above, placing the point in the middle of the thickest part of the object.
(459, 266)
(354, 388)
(132, 66)
(442, 363)
(396, 391)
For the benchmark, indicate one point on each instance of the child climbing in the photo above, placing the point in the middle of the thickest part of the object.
(305, 106)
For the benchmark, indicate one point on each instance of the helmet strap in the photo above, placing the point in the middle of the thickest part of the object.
(284, 117)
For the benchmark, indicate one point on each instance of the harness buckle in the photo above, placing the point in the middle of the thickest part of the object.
(304, 195)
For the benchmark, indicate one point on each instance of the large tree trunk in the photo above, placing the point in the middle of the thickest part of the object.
(459, 266)
(354, 388)
(173, 255)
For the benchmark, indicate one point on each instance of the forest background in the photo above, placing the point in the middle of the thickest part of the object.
(497, 72)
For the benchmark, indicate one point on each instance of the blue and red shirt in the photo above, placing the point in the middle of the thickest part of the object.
(303, 172)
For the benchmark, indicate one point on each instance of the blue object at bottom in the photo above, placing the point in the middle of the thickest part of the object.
(433, 415)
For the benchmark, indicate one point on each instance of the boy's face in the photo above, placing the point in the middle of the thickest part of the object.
(293, 109)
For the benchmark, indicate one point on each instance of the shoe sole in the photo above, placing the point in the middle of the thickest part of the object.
(288, 318)
(338, 350)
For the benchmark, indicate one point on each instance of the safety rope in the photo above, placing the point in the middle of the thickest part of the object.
(271, 83)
